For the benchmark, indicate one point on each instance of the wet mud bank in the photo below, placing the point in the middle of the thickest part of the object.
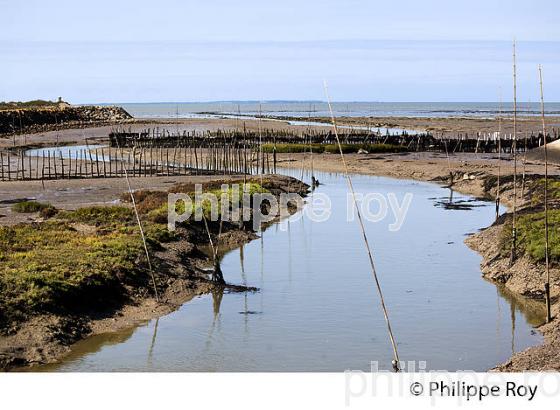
(182, 271)
(476, 175)
(525, 274)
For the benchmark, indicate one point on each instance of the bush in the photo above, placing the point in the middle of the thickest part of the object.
(146, 200)
(29, 207)
(48, 212)
(99, 215)
(293, 148)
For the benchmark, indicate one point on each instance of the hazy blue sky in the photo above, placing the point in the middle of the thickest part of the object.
(172, 50)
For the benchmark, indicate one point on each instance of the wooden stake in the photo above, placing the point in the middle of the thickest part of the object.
(546, 244)
(499, 159)
(514, 149)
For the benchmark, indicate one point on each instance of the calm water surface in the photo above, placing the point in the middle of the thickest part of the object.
(317, 309)
(341, 109)
(80, 152)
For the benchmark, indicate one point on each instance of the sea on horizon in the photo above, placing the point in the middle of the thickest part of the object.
(340, 109)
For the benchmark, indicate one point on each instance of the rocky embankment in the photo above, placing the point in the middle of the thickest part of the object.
(525, 273)
(31, 120)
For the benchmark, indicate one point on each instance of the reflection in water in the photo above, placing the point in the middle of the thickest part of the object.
(512, 311)
(151, 351)
(82, 349)
(318, 311)
(534, 311)
(217, 295)
(243, 276)
(244, 282)
(289, 252)
(71, 151)
(498, 321)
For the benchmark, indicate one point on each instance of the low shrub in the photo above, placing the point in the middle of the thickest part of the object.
(29, 207)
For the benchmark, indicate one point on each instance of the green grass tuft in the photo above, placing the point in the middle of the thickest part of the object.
(530, 236)
(29, 207)
(100, 215)
(46, 266)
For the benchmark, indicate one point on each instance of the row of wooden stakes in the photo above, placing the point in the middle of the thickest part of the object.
(68, 163)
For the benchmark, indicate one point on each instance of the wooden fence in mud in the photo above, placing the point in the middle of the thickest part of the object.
(164, 138)
(479, 143)
(207, 159)
(161, 153)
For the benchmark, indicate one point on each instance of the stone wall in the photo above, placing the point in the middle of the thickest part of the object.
(46, 119)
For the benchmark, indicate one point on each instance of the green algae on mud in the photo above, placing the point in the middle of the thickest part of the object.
(53, 266)
(80, 257)
(27, 207)
(73, 274)
(530, 236)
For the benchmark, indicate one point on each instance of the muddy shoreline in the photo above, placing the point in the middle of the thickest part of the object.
(182, 274)
(476, 176)
(473, 174)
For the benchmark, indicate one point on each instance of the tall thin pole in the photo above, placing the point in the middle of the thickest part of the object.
(499, 158)
(364, 235)
(546, 250)
(260, 143)
(139, 222)
(514, 149)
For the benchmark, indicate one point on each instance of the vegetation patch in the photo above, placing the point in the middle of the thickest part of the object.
(29, 207)
(100, 216)
(232, 196)
(84, 258)
(52, 266)
(146, 200)
(333, 148)
(535, 190)
(27, 104)
(530, 236)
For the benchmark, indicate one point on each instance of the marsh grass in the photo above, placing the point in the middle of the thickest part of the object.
(333, 148)
(99, 216)
(57, 265)
(535, 191)
(50, 265)
(159, 214)
(530, 236)
(29, 207)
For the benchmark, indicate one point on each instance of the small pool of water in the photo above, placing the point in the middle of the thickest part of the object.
(378, 130)
(318, 310)
(381, 130)
(80, 152)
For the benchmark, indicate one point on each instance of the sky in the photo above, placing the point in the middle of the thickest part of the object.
(172, 50)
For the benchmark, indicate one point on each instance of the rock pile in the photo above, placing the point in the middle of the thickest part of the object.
(46, 119)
